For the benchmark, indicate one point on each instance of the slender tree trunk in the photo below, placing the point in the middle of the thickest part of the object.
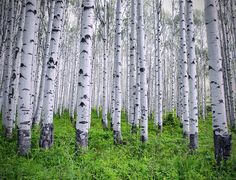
(183, 58)
(132, 67)
(84, 96)
(47, 129)
(14, 81)
(105, 59)
(158, 71)
(37, 116)
(117, 77)
(137, 115)
(222, 139)
(9, 118)
(24, 104)
(142, 70)
(193, 109)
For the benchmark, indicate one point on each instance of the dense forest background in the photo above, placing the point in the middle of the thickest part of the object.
(114, 89)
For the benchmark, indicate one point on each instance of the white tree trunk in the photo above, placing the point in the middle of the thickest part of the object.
(9, 102)
(84, 96)
(14, 82)
(183, 59)
(142, 70)
(158, 72)
(37, 116)
(133, 120)
(137, 112)
(47, 137)
(24, 104)
(105, 59)
(193, 100)
(222, 139)
(117, 77)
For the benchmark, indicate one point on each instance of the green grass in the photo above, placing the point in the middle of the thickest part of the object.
(165, 156)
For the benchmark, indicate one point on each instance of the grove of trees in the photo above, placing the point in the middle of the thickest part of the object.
(117, 57)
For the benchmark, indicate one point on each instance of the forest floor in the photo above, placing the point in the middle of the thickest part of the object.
(165, 156)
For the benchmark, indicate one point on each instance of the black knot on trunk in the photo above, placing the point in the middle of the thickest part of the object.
(142, 69)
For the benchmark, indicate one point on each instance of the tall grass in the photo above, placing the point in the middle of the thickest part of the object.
(164, 156)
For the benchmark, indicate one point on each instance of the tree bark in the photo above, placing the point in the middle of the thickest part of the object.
(192, 78)
(24, 104)
(46, 137)
(84, 95)
(183, 59)
(117, 77)
(142, 70)
(222, 139)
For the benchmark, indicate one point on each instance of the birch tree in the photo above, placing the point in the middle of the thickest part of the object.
(14, 81)
(24, 104)
(133, 119)
(38, 112)
(8, 117)
(142, 70)
(158, 70)
(47, 129)
(105, 59)
(84, 96)
(184, 67)
(193, 109)
(117, 77)
(222, 139)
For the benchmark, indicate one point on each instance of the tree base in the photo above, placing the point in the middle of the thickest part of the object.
(117, 137)
(33, 121)
(185, 135)
(143, 139)
(24, 141)
(193, 143)
(111, 124)
(222, 146)
(47, 136)
(71, 120)
(7, 132)
(81, 140)
(104, 124)
(134, 129)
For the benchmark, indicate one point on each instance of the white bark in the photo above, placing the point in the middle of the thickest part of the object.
(220, 129)
(8, 68)
(8, 99)
(117, 77)
(105, 64)
(37, 116)
(133, 120)
(24, 104)
(142, 70)
(158, 71)
(183, 59)
(84, 96)
(193, 100)
(46, 138)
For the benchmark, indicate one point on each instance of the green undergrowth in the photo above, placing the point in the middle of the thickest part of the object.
(164, 156)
